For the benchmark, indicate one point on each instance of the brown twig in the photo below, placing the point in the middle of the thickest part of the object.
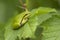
(23, 4)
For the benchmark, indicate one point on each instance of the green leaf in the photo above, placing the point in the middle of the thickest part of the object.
(29, 30)
(51, 28)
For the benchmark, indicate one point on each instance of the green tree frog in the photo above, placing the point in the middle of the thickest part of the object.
(20, 20)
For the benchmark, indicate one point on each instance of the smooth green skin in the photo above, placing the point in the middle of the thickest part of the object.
(18, 22)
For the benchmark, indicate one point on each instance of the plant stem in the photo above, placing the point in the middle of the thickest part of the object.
(23, 4)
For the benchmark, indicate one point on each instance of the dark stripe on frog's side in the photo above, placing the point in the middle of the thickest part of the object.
(22, 21)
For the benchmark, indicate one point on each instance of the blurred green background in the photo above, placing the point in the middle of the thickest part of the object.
(10, 8)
